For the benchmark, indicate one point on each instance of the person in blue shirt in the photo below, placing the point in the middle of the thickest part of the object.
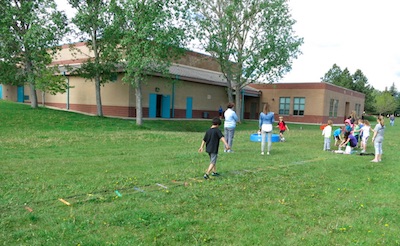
(337, 134)
(265, 127)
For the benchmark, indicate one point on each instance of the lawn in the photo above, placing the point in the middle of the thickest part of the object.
(71, 179)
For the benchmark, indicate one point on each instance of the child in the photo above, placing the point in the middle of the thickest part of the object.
(211, 141)
(327, 133)
(365, 135)
(349, 142)
(337, 135)
(360, 124)
(377, 139)
(348, 126)
(282, 128)
(357, 130)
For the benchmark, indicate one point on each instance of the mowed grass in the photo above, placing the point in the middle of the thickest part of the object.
(130, 185)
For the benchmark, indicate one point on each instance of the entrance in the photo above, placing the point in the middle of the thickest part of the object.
(347, 110)
(159, 106)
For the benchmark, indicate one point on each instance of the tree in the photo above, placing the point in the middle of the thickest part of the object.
(393, 90)
(96, 19)
(153, 37)
(385, 103)
(357, 82)
(30, 32)
(360, 84)
(336, 76)
(48, 81)
(252, 41)
(332, 75)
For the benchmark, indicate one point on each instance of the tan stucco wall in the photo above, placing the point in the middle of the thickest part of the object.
(317, 99)
(9, 93)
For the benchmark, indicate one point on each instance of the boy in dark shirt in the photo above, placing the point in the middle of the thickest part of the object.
(211, 141)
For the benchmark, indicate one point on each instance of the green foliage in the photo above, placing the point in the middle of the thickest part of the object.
(47, 81)
(30, 32)
(357, 82)
(152, 39)
(386, 103)
(253, 41)
(96, 20)
(298, 195)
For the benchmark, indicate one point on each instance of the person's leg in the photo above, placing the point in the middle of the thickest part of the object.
(328, 144)
(232, 137)
(229, 133)
(262, 142)
(269, 134)
(376, 158)
(380, 152)
(211, 167)
(226, 134)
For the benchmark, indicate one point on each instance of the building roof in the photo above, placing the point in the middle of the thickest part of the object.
(198, 75)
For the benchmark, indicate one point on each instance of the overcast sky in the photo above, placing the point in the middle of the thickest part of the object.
(354, 34)
(357, 34)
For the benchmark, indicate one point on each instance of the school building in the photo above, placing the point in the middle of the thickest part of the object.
(311, 102)
(195, 88)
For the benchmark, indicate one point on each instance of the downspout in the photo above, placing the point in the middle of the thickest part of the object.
(67, 89)
(173, 97)
(242, 112)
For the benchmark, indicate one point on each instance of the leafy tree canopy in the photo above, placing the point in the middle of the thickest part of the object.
(357, 82)
(30, 31)
(253, 41)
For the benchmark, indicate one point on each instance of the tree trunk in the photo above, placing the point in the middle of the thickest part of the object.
(98, 97)
(33, 96)
(43, 98)
(34, 102)
(230, 93)
(139, 113)
(238, 103)
(97, 77)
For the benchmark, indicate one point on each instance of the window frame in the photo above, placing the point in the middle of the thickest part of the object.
(286, 106)
(300, 106)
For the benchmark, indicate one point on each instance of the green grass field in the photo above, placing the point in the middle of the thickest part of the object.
(130, 185)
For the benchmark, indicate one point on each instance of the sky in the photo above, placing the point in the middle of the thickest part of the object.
(353, 34)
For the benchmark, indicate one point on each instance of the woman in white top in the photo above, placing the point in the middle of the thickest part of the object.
(229, 125)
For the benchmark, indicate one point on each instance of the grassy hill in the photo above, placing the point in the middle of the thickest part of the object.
(71, 179)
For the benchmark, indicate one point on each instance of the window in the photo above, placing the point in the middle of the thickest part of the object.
(284, 105)
(298, 105)
(333, 107)
(358, 109)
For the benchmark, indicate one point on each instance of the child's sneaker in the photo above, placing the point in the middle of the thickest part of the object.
(206, 176)
(215, 174)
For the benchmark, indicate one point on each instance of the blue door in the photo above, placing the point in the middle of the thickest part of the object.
(189, 107)
(166, 106)
(20, 94)
(153, 105)
(1, 92)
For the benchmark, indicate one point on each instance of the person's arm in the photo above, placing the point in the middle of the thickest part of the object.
(236, 117)
(287, 128)
(345, 142)
(202, 146)
(225, 143)
(373, 137)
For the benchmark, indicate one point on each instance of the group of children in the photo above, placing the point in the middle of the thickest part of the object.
(355, 134)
